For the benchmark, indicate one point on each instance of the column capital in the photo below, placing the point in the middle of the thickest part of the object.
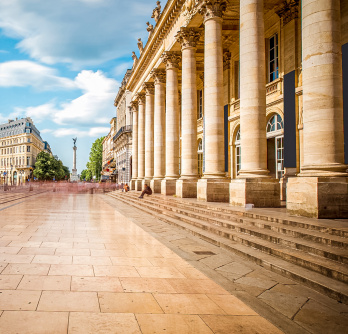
(134, 106)
(141, 98)
(288, 10)
(149, 88)
(188, 37)
(212, 9)
(158, 75)
(171, 59)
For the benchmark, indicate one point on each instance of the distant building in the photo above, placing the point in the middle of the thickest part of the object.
(108, 153)
(20, 143)
(47, 147)
(123, 138)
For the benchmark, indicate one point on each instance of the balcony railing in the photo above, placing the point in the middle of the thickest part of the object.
(123, 129)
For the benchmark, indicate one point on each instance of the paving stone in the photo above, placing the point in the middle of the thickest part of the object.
(281, 298)
(320, 319)
(235, 269)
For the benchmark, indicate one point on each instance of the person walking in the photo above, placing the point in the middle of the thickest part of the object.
(147, 190)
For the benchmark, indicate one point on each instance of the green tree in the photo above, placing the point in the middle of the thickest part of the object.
(83, 175)
(48, 168)
(94, 165)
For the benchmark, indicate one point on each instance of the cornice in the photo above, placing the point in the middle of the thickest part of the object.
(167, 17)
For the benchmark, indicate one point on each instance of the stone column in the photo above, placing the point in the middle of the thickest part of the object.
(186, 186)
(141, 140)
(171, 59)
(159, 77)
(134, 105)
(213, 187)
(149, 118)
(322, 190)
(254, 186)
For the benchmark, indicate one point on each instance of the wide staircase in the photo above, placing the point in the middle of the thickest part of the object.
(16, 194)
(309, 251)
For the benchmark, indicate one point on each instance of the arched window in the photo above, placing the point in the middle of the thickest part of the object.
(275, 123)
(275, 143)
(238, 152)
(200, 158)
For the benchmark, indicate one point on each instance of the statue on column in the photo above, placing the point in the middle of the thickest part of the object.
(140, 46)
(156, 12)
(135, 59)
(149, 28)
(73, 176)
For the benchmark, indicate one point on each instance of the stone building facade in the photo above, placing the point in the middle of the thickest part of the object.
(242, 102)
(123, 137)
(20, 143)
(108, 163)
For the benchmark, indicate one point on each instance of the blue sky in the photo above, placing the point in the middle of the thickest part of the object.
(61, 63)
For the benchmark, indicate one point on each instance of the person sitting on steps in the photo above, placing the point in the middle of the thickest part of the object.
(147, 190)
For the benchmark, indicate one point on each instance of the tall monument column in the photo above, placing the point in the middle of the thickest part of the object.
(213, 187)
(141, 140)
(186, 186)
(149, 117)
(171, 59)
(323, 183)
(159, 77)
(134, 105)
(74, 177)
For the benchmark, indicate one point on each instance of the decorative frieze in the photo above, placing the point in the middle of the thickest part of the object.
(171, 59)
(188, 37)
(212, 8)
(288, 10)
(158, 75)
(149, 88)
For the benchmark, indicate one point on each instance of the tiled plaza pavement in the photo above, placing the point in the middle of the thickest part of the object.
(74, 264)
(291, 306)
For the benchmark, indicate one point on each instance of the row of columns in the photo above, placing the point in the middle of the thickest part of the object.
(156, 121)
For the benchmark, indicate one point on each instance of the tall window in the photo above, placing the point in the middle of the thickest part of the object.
(200, 104)
(273, 58)
(28, 148)
(238, 154)
(275, 132)
(200, 158)
(28, 161)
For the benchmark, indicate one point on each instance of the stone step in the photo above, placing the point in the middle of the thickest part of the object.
(292, 240)
(302, 223)
(282, 250)
(14, 197)
(328, 286)
(296, 232)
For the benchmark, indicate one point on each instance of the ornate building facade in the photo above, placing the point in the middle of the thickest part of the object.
(20, 143)
(123, 137)
(242, 102)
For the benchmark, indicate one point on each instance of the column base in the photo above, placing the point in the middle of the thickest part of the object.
(138, 185)
(133, 184)
(213, 190)
(168, 187)
(186, 188)
(262, 192)
(318, 197)
(155, 185)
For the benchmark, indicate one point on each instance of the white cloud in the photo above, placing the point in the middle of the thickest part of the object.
(84, 32)
(65, 132)
(22, 73)
(94, 106)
